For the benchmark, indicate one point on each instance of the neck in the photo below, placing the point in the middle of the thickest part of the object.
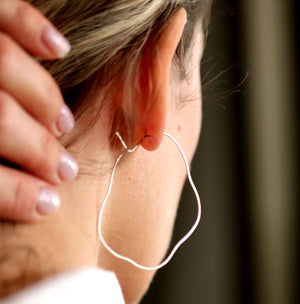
(61, 242)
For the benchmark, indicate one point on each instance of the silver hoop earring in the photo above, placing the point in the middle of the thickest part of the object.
(176, 247)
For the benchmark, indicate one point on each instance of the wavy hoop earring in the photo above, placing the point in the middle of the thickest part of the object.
(193, 228)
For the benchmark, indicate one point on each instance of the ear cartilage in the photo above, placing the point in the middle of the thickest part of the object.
(185, 238)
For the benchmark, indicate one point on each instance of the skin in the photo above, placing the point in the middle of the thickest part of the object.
(147, 185)
(26, 108)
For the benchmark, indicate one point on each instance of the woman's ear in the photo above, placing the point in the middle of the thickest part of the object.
(155, 82)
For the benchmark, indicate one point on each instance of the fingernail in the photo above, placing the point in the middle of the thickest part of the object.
(65, 121)
(68, 168)
(48, 201)
(54, 40)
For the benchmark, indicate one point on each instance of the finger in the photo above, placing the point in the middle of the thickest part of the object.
(25, 142)
(33, 87)
(32, 30)
(25, 198)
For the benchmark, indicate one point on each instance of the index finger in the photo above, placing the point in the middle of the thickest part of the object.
(27, 26)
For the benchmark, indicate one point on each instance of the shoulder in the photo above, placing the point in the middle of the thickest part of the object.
(84, 285)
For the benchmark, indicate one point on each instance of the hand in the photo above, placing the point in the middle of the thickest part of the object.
(32, 115)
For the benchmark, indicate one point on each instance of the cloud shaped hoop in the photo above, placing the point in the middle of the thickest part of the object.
(193, 228)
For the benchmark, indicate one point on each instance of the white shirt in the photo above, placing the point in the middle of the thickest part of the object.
(86, 285)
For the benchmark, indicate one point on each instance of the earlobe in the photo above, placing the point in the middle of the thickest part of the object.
(155, 95)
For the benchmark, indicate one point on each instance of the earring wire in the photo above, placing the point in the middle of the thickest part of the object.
(185, 238)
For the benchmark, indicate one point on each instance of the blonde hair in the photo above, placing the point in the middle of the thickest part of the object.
(108, 39)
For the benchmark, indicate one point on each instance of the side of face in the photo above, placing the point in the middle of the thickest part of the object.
(143, 203)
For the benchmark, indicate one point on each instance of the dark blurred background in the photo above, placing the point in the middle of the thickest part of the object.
(246, 167)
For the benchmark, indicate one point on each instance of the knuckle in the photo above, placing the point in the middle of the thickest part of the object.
(25, 14)
(18, 204)
(45, 158)
(51, 102)
(22, 8)
(19, 200)
(23, 203)
(50, 91)
(46, 142)
(53, 97)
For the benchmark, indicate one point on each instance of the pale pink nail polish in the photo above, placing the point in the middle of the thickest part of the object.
(65, 121)
(48, 201)
(68, 168)
(54, 40)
